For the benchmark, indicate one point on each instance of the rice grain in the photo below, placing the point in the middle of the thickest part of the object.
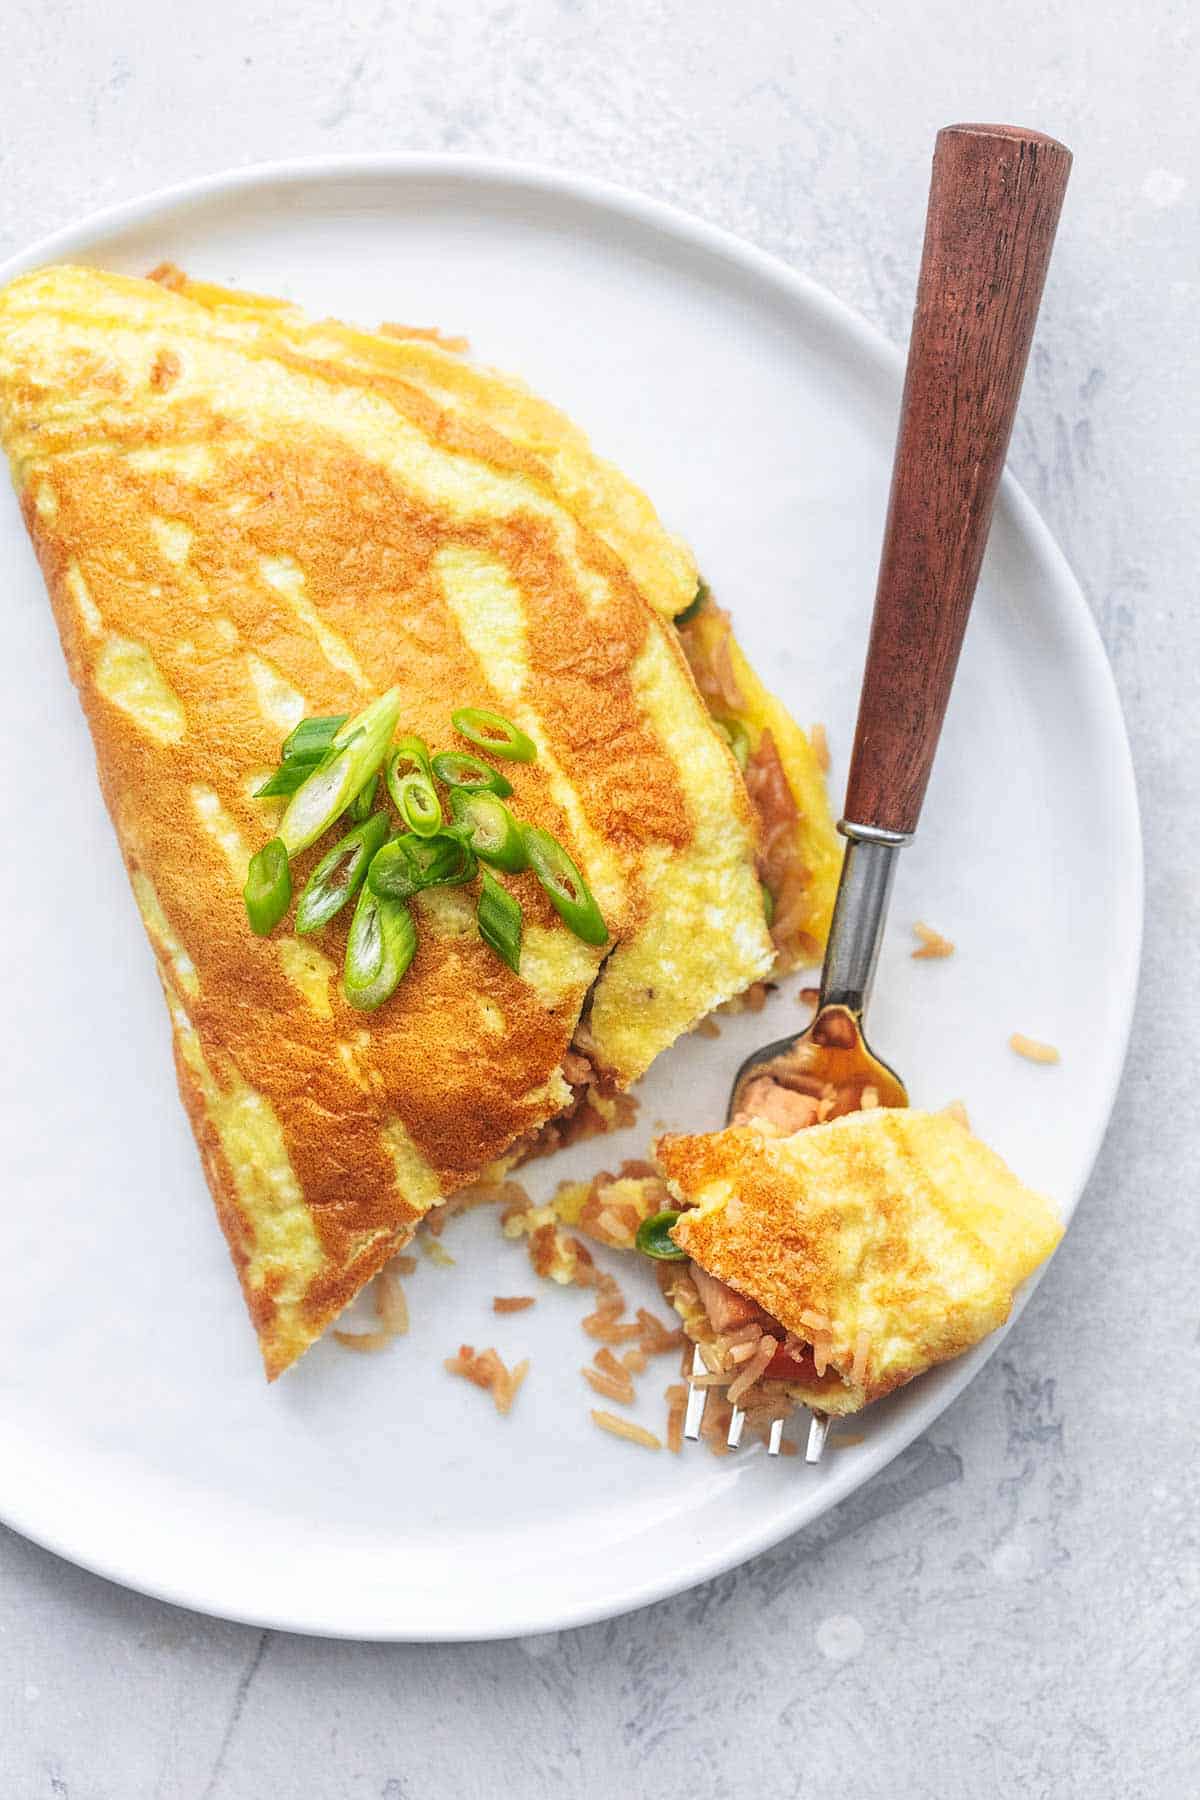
(932, 944)
(625, 1428)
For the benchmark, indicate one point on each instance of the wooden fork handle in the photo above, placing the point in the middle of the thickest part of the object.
(994, 204)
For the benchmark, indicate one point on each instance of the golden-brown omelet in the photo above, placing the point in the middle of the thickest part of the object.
(606, 501)
(245, 518)
(800, 854)
(895, 1235)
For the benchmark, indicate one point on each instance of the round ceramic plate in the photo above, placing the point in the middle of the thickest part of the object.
(377, 1496)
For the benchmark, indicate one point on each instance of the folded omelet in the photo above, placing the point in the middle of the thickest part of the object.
(246, 517)
(888, 1240)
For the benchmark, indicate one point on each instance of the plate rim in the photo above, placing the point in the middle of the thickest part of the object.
(661, 217)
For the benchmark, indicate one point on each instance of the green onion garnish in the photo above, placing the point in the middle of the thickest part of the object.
(312, 738)
(499, 918)
(364, 800)
(339, 874)
(382, 943)
(494, 733)
(689, 612)
(268, 889)
(768, 900)
(407, 756)
(490, 829)
(287, 778)
(354, 754)
(407, 864)
(570, 895)
(458, 770)
(302, 750)
(419, 805)
(653, 1239)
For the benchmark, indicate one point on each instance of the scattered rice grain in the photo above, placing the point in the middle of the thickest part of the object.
(932, 943)
(676, 1396)
(656, 1338)
(486, 1370)
(391, 1306)
(625, 1428)
(607, 1385)
(607, 1331)
(604, 1359)
(365, 1342)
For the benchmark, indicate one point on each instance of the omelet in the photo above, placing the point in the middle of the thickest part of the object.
(244, 518)
(799, 855)
(886, 1242)
(607, 502)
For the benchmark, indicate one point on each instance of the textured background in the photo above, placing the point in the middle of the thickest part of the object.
(1011, 1608)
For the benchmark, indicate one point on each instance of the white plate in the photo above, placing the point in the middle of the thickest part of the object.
(377, 1497)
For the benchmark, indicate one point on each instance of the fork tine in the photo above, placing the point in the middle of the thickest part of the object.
(694, 1416)
(818, 1432)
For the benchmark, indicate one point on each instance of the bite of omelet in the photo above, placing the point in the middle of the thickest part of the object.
(830, 1266)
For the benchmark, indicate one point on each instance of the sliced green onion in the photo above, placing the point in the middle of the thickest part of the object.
(689, 612)
(500, 921)
(490, 829)
(407, 864)
(381, 944)
(768, 900)
(419, 805)
(407, 756)
(570, 895)
(364, 800)
(339, 874)
(268, 889)
(494, 733)
(470, 773)
(302, 751)
(312, 738)
(353, 756)
(287, 777)
(653, 1239)
(739, 740)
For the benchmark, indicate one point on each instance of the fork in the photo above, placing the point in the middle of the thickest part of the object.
(994, 203)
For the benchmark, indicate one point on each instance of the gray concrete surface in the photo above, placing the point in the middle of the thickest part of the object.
(1011, 1609)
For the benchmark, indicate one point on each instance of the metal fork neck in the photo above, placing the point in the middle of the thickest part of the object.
(859, 914)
